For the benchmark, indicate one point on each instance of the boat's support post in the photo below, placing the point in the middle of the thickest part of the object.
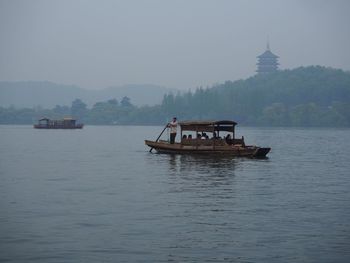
(214, 137)
(233, 132)
(166, 126)
(197, 137)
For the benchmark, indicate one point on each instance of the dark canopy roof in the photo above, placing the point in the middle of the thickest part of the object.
(44, 119)
(208, 126)
(64, 119)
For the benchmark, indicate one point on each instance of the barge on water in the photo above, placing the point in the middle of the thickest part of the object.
(65, 123)
(194, 139)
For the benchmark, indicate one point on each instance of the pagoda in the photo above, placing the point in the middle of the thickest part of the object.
(267, 61)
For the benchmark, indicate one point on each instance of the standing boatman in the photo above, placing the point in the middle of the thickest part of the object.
(173, 129)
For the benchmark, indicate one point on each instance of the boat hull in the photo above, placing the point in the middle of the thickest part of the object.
(77, 126)
(233, 150)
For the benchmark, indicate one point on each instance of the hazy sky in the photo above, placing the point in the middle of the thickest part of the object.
(177, 44)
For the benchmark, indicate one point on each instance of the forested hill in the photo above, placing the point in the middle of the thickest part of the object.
(305, 96)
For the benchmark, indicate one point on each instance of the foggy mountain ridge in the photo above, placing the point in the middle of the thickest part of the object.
(310, 84)
(312, 96)
(48, 94)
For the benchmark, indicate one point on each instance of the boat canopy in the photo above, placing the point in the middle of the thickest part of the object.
(208, 126)
(44, 119)
(64, 119)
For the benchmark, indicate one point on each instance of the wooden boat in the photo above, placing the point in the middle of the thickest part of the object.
(203, 144)
(65, 123)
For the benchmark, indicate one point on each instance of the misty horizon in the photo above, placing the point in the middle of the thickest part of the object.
(178, 45)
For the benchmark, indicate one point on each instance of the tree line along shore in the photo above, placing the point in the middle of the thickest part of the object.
(312, 96)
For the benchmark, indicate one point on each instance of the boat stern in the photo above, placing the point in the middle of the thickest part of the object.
(261, 152)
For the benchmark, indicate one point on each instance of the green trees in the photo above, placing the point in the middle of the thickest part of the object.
(104, 112)
(79, 109)
(111, 112)
(311, 96)
(125, 102)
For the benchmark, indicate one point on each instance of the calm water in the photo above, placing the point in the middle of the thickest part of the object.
(98, 195)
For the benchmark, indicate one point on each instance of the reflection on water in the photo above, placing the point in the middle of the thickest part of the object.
(205, 174)
(98, 195)
(202, 176)
(203, 164)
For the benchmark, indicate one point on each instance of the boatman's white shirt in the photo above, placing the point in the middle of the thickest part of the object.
(173, 127)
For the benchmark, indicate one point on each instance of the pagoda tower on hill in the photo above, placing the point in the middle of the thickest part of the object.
(267, 61)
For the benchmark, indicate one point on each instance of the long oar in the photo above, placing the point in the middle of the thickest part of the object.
(166, 126)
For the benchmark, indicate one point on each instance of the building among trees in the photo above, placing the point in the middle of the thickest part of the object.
(267, 61)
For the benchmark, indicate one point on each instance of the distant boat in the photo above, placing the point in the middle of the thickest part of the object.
(201, 143)
(65, 123)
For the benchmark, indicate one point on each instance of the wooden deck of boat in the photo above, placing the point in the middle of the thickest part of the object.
(203, 144)
(165, 147)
